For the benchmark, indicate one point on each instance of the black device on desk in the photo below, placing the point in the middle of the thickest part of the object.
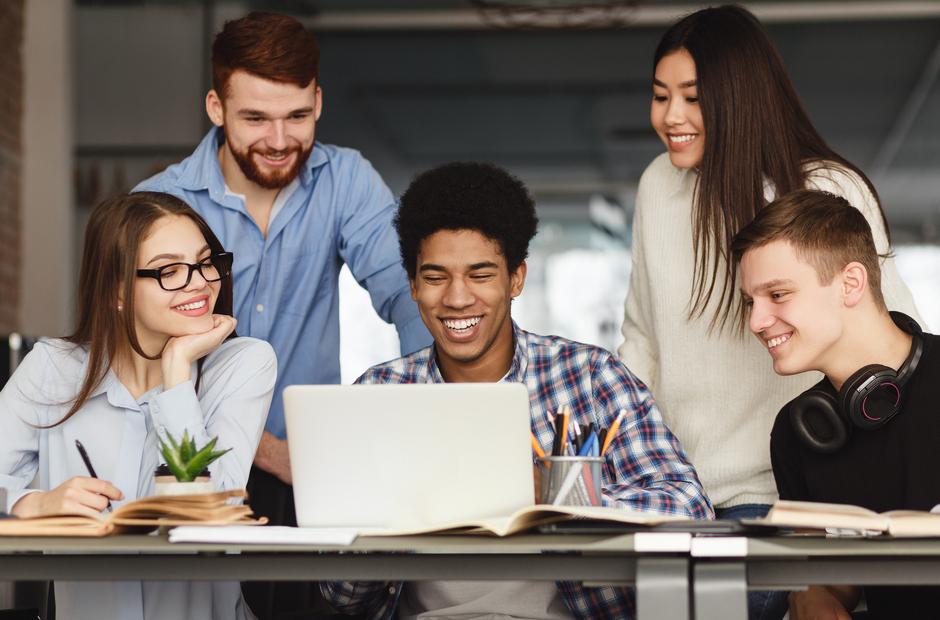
(700, 526)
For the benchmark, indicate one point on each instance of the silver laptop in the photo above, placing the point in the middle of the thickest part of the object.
(404, 457)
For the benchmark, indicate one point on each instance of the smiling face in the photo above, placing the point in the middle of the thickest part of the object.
(269, 127)
(795, 317)
(159, 314)
(464, 289)
(675, 113)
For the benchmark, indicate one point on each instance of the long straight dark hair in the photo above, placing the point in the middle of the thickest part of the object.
(756, 130)
(113, 236)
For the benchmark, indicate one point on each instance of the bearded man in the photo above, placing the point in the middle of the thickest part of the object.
(293, 211)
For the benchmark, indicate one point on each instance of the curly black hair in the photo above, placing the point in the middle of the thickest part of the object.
(466, 196)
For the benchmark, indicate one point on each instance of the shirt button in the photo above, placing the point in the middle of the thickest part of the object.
(260, 307)
(391, 590)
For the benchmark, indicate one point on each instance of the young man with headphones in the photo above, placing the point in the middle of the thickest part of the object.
(867, 433)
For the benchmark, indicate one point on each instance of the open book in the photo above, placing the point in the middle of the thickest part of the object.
(531, 517)
(143, 513)
(899, 523)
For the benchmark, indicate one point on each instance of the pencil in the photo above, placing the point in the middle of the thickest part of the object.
(613, 430)
(536, 446)
(565, 416)
(556, 441)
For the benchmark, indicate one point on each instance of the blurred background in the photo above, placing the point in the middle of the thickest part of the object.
(99, 94)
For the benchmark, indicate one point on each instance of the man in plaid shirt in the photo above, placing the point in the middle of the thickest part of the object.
(464, 231)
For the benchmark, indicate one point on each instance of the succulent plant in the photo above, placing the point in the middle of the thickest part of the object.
(183, 459)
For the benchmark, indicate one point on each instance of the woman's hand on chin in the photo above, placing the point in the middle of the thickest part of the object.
(75, 496)
(180, 352)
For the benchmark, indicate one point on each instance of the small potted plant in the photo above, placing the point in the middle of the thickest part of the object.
(186, 469)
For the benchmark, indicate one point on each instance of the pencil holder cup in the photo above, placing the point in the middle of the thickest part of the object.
(569, 480)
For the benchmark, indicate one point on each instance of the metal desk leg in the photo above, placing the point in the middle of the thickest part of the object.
(662, 588)
(720, 591)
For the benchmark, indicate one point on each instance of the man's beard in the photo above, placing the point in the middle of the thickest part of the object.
(268, 180)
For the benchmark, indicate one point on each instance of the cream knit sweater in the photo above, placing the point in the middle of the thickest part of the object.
(717, 392)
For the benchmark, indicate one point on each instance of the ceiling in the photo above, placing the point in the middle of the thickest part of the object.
(413, 84)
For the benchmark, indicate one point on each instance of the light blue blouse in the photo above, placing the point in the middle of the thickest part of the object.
(119, 433)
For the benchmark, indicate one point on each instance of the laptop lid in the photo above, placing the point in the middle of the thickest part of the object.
(402, 457)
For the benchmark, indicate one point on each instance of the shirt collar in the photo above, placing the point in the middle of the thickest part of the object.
(114, 390)
(117, 393)
(517, 369)
(201, 170)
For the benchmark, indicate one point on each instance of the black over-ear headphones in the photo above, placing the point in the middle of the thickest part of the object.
(868, 399)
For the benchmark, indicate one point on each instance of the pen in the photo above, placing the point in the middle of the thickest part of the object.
(587, 449)
(87, 461)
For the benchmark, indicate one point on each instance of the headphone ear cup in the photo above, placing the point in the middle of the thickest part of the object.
(816, 420)
(871, 396)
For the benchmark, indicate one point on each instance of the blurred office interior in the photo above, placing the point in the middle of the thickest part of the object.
(556, 91)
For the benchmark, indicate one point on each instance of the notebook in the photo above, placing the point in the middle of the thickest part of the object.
(396, 458)
(146, 513)
(814, 515)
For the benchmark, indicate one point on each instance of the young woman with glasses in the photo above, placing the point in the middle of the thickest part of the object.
(736, 136)
(154, 353)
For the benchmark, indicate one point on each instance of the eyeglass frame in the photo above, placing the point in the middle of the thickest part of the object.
(156, 273)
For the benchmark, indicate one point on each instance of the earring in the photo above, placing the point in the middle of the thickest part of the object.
(120, 307)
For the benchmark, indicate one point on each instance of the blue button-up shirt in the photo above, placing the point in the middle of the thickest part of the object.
(286, 284)
(646, 468)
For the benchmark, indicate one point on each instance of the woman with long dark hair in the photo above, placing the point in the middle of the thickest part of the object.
(153, 354)
(736, 135)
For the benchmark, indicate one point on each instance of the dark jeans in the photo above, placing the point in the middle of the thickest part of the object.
(762, 604)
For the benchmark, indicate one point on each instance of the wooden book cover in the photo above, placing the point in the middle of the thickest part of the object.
(146, 512)
(815, 515)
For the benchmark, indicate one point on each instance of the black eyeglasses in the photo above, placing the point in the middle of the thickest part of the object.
(176, 276)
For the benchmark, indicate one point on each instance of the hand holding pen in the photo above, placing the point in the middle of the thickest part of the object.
(91, 470)
(76, 496)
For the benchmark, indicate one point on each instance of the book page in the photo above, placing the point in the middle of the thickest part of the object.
(822, 508)
(533, 516)
(275, 535)
(204, 509)
(819, 515)
(148, 512)
(60, 525)
(913, 523)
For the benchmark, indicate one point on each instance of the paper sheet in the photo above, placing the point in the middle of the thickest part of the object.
(266, 535)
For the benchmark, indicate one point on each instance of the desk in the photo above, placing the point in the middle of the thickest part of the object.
(720, 579)
(661, 579)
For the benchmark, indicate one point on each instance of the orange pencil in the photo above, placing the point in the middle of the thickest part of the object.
(536, 446)
(613, 430)
(565, 417)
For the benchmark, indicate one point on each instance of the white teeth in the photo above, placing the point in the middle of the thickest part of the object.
(682, 138)
(774, 342)
(461, 324)
(193, 306)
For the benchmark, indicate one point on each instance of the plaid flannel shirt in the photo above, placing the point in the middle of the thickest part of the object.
(646, 468)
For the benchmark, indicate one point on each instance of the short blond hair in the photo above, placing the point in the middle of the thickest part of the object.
(825, 230)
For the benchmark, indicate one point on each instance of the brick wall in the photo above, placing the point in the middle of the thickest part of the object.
(11, 115)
